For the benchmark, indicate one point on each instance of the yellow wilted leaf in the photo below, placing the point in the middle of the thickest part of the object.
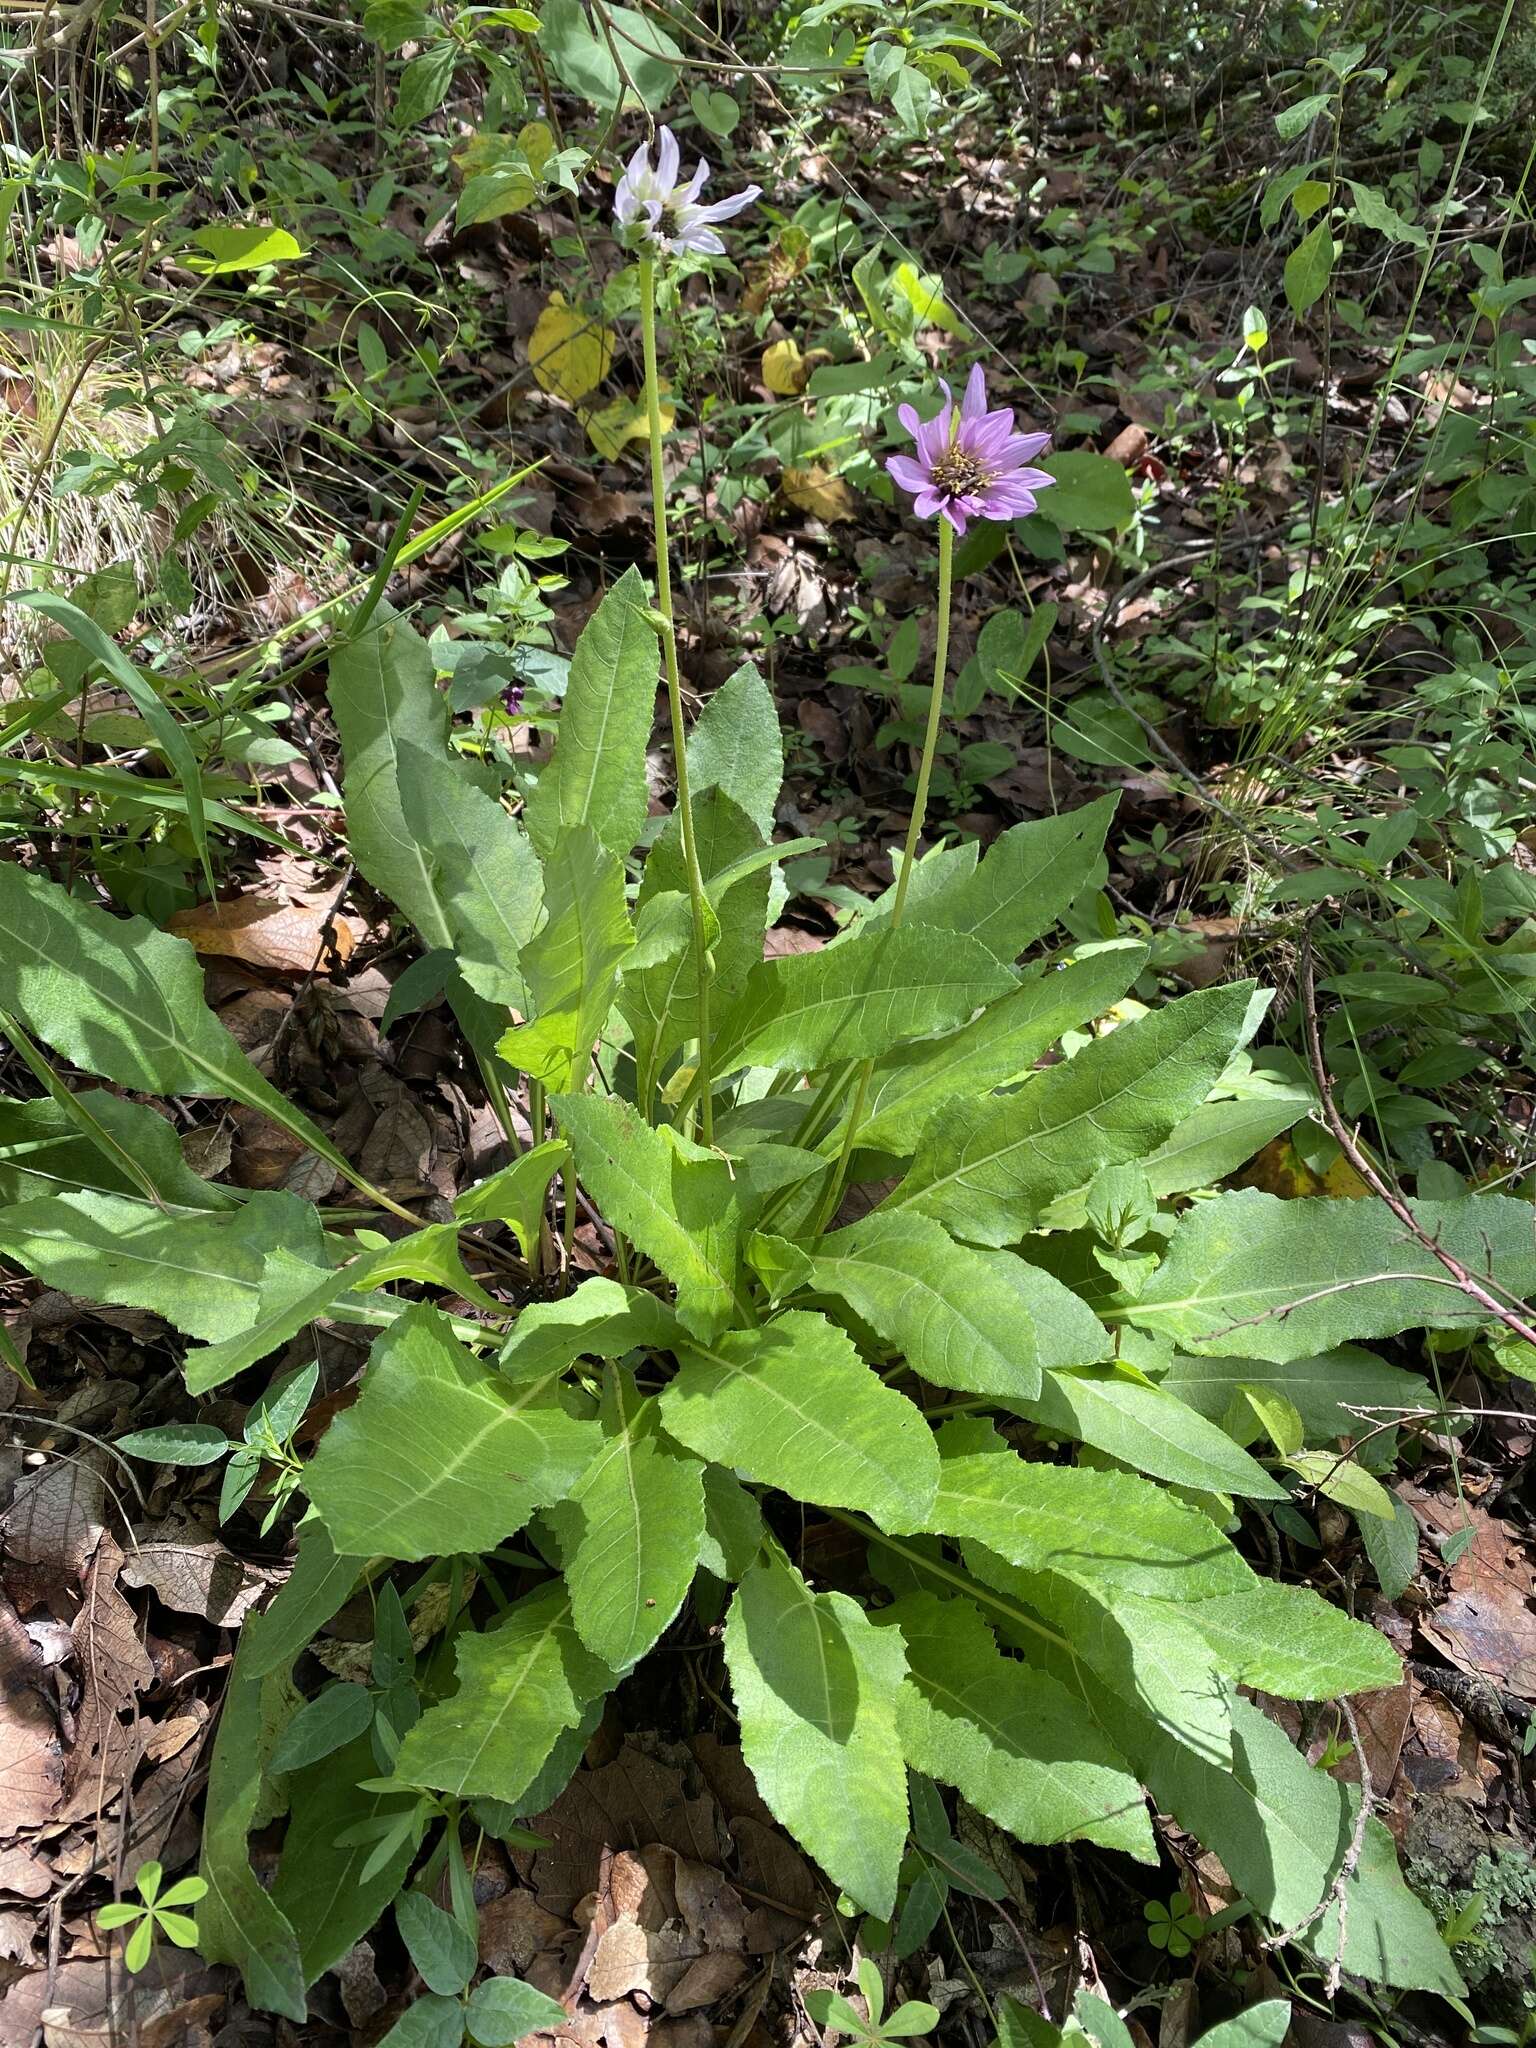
(1280, 1170)
(1343, 1181)
(493, 184)
(819, 492)
(569, 351)
(785, 370)
(610, 428)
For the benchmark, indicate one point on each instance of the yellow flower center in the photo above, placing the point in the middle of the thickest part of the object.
(959, 472)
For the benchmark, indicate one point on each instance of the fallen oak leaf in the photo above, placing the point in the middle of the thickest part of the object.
(294, 937)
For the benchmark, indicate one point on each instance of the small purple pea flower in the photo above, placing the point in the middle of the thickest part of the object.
(664, 211)
(973, 467)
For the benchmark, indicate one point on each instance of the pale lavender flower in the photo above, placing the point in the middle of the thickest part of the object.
(664, 211)
(971, 467)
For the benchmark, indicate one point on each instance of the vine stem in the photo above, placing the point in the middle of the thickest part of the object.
(909, 850)
(703, 964)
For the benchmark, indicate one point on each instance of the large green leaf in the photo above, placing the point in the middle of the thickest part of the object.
(980, 1322)
(384, 698)
(1027, 878)
(1327, 1391)
(516, 1193)
(736, 746)
(988, 1169)
(294, 1291)
(1123, 1530)
(290, 1292)
(597, 774)
(317, 1587)
(100, 1141)
(675, 1201)
(1091, 494)
(521, 1685)
(441, 1454)
(793, 1405)
(320, 1887)
(631, 1529)
(483, 870)
(856, 1001)
(572, 966)
(1007, 1737)
(1289, 1641)
(600, 1319)
(1282, 1830)
(239, 1921)
(911, 1085)
(1149, 1429)
(584, 58)
(460, 893)
(200, 1270)
(1248, 1273)
(1143, 1650)
(1219, 1137)
(121, 999)
(816, 1687)
(661, 996)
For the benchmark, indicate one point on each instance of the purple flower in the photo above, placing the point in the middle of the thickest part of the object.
(664, 211)
(971, 467)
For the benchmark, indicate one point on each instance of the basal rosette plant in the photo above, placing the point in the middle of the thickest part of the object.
(1054, 1401)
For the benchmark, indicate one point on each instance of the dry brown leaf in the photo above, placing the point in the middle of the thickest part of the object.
(292, 937)
(513, 1929)
(23, 1868)
(190, 1570)
(1487, 1625)
(638, 1799)
(17, 1930)
(31, 1756)
(362, 1995)
(706, 1981)
(114, 1668)
(54, 1519)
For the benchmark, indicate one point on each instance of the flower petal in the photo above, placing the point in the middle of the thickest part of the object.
(667, 158)
(933, 435)
(954, 512)
(1025, 447)
(689, 195)
(909, 474)
(727, 209)
(929, 502)
(907, 414)
(999, 503)
(988, 437)
(975, 404)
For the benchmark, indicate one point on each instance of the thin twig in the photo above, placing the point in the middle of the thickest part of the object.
(1337, 1893)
